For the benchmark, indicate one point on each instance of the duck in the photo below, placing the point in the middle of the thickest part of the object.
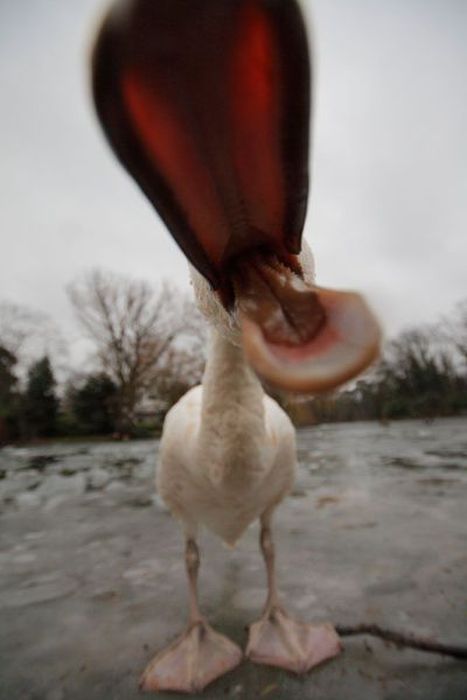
(207, 105)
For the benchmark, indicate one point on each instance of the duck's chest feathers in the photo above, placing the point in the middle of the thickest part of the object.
(231, 494)
(235, 456)
(235, 476)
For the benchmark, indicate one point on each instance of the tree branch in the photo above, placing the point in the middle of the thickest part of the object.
(402, 639)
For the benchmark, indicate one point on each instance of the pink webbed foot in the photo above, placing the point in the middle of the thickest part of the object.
(278, 640)
(193, 661)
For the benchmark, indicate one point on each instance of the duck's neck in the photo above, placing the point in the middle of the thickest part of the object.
(232, 420)
(231, 390)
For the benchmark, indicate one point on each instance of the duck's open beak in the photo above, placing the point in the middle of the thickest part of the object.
(207, 105)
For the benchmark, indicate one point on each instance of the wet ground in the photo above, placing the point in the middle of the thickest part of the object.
(92, 580)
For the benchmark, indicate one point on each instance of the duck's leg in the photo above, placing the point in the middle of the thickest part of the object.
(278, 640)
(200, 655)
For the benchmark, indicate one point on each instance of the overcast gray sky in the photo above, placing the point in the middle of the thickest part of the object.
(388, 208)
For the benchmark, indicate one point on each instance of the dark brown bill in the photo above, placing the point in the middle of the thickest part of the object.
(207, 105)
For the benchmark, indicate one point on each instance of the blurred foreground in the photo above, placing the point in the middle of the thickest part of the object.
(92, 580)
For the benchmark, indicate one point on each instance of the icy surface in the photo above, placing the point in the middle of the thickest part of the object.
(92, 581)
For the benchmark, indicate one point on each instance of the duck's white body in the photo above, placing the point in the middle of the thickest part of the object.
(228, 450)
(227, 458)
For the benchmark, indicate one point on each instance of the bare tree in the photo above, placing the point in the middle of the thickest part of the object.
(455, 329)
(28, 334)
(134, 329)
(181, 369)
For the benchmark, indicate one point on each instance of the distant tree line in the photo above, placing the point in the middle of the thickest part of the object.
(33, 411)
(148, 349)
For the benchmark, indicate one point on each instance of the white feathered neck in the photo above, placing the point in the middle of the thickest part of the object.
(232, 426)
